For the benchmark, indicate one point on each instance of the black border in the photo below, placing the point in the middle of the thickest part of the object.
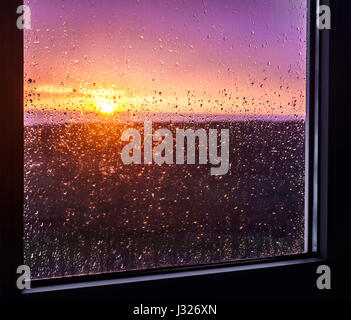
(11, 146)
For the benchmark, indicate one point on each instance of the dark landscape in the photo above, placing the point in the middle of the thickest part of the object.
(86, 212)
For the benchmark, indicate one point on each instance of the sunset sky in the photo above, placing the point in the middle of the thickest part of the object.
(245, 57)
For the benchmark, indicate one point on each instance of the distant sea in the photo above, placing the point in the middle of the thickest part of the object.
(34, 117)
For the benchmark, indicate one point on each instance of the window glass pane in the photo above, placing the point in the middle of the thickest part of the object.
(103, 79)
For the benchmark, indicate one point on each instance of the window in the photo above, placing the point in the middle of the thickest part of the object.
(93, 70)
(276, 277)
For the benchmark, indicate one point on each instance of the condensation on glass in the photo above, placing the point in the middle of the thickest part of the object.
(96, 68)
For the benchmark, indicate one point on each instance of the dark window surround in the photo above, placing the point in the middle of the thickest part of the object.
(287, 277)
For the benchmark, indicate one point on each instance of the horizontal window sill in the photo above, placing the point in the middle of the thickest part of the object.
(173, 275)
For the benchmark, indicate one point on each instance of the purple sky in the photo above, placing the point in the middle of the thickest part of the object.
(254, 49)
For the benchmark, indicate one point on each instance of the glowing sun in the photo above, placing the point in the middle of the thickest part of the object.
(106, 105)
